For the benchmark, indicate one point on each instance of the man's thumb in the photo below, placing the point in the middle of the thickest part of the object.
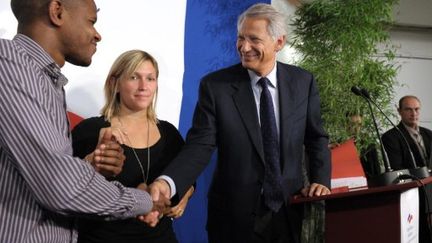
(105, 135)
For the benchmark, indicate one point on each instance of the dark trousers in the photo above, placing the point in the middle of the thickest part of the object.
(283, 226)
(267, 227)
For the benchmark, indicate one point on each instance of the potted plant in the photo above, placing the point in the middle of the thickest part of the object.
(345, 44)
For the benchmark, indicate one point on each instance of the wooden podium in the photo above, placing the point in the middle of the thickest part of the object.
(367, 215)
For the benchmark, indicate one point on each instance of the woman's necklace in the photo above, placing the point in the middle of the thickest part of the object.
(144, 175)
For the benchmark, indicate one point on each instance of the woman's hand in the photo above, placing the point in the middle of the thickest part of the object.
(178, 210)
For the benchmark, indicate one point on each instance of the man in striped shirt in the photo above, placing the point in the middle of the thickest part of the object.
(42, 187)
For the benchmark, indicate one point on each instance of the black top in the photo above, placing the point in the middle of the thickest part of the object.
(85, 137)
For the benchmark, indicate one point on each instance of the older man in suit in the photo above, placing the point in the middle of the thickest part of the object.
(260, 115)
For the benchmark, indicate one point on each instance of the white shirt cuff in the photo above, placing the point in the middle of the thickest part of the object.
(170, 183)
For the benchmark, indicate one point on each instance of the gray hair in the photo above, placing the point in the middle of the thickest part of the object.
(276, 21)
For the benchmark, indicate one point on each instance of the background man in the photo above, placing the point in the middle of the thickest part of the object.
(420, 143)
(258, 114)
(419, 138)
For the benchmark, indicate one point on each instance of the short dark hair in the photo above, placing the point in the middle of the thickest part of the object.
(406, 97)
(26, 11)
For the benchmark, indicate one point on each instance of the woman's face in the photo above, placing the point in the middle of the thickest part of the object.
(137, 91)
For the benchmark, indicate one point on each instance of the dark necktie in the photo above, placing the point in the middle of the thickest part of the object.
(272, 186)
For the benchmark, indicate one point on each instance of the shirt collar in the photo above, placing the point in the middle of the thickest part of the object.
(271, 76)
(412, 130)
(41, 59)
(54, 72)
(34, 50)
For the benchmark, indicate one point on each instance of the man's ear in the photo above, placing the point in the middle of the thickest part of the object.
(280, 43)
(56, 12)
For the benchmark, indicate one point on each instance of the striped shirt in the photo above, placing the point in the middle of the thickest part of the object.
(42, 187)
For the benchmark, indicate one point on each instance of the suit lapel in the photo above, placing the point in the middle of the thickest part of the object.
(245, 103)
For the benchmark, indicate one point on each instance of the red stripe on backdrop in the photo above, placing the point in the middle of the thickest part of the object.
(74, 119)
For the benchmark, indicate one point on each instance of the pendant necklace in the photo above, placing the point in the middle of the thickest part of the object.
(144, 175)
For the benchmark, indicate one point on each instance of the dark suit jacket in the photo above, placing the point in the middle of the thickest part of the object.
(226, 118)
(400, 158)
(397, 150)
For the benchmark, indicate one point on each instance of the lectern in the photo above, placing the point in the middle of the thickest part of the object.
(379, 214)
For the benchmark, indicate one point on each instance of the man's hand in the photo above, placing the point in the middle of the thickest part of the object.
(315, 190)
(159, 207)
(161, 204)
(160, 196)
(108, 157)
(151, 219)
(160, 188)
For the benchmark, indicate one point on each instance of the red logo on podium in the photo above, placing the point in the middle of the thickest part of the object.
(410, 218)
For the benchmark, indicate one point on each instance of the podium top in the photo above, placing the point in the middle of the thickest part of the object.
(394, 188)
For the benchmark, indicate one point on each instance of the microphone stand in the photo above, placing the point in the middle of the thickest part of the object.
(390, 176)
(383, 151)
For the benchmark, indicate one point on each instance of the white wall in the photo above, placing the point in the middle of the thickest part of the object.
(413, 37)
(415, 74)
(414, 13)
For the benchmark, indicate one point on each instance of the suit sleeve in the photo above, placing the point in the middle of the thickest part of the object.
(200, 143)
(316, 141)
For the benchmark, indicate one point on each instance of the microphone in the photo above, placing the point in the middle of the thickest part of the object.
(389, 176)
(357, 90)
(365, 93)
(418, 172)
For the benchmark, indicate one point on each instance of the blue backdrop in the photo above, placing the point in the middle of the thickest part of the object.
(210, 44)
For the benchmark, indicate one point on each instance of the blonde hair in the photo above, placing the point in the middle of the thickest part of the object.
(123, 67)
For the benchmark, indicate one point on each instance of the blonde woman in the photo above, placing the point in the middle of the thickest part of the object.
(149, 145)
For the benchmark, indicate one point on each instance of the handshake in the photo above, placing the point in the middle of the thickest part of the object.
(161, 206)
(108, 159)
(160, 192)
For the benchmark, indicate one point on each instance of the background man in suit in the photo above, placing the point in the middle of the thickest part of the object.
(419, 138)
(244, 204)
(420, 142)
